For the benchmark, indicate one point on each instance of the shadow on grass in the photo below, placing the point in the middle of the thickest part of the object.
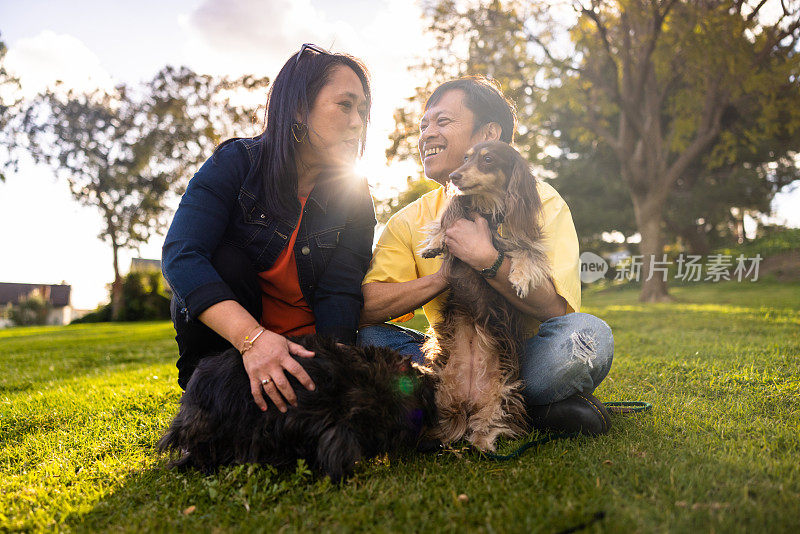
(408, 488)
(654, 471)
(167, 499)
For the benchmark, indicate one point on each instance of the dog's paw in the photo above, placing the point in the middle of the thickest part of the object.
(431, 252)
(519, 282)
(528, 271)
(483, 442)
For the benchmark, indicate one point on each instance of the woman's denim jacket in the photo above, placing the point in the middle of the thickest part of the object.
(223, 204)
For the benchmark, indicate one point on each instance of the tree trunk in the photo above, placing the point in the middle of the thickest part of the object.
(117, 297)
(649, 215)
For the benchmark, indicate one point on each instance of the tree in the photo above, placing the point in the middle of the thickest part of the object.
(129, 151)
(588, 180)
(659, 83)
(9, 107)
(706, 207)
(707, 203)
(489, 39)
(147, 297)
(32, 310)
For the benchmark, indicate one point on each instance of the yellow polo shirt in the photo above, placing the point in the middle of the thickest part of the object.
(396, 257)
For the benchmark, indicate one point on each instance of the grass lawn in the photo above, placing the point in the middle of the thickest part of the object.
(81, 408)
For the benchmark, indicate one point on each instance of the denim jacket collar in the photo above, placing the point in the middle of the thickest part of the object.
(320, 195)
(327, 185)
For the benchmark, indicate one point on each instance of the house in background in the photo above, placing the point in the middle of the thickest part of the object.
(58, 295)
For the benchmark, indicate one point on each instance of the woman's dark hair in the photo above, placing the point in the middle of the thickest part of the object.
(486, 101)
(292, 93)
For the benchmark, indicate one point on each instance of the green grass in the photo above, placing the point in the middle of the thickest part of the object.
(82, 407)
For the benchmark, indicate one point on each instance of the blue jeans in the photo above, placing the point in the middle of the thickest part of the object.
(570, 354)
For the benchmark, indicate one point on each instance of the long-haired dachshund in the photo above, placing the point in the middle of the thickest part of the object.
(367, 401)
(476, 346)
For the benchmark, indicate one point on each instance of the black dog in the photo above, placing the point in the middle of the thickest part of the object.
(367, 401)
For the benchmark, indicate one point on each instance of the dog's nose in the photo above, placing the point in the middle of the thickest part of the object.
(455, 176)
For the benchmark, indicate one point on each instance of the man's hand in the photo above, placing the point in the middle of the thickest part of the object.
(471, 242)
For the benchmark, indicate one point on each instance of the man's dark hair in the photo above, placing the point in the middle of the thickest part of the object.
(292, 94)
(485, 100)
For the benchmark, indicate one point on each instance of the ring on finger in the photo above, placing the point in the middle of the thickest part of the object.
(266, 381)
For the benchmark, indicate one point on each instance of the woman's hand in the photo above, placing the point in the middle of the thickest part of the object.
(266, 362)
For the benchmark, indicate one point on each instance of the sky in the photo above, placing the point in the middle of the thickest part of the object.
(47, 237)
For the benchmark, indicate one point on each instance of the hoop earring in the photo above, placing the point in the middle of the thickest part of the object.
(299, 131)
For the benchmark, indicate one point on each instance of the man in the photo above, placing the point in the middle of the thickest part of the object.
(567, 354)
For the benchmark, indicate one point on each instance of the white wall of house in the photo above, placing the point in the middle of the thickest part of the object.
(60, 316)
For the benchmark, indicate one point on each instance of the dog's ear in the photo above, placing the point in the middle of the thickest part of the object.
(523, 205)
(338, 451)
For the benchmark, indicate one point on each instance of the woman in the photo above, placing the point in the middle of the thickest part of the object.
(273, 235)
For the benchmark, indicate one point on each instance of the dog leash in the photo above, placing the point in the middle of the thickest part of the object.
(624, 407)
(618, 407)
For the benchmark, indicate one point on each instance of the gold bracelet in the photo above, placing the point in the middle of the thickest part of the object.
(248, 342)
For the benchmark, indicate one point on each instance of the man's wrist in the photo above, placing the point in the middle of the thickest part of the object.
(485, 260)
(491, 271)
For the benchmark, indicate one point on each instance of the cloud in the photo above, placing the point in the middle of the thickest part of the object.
(253, 24)
(263, 34)
(48, 57)
(258, 36)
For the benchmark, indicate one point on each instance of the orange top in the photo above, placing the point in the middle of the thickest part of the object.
(284, 310)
